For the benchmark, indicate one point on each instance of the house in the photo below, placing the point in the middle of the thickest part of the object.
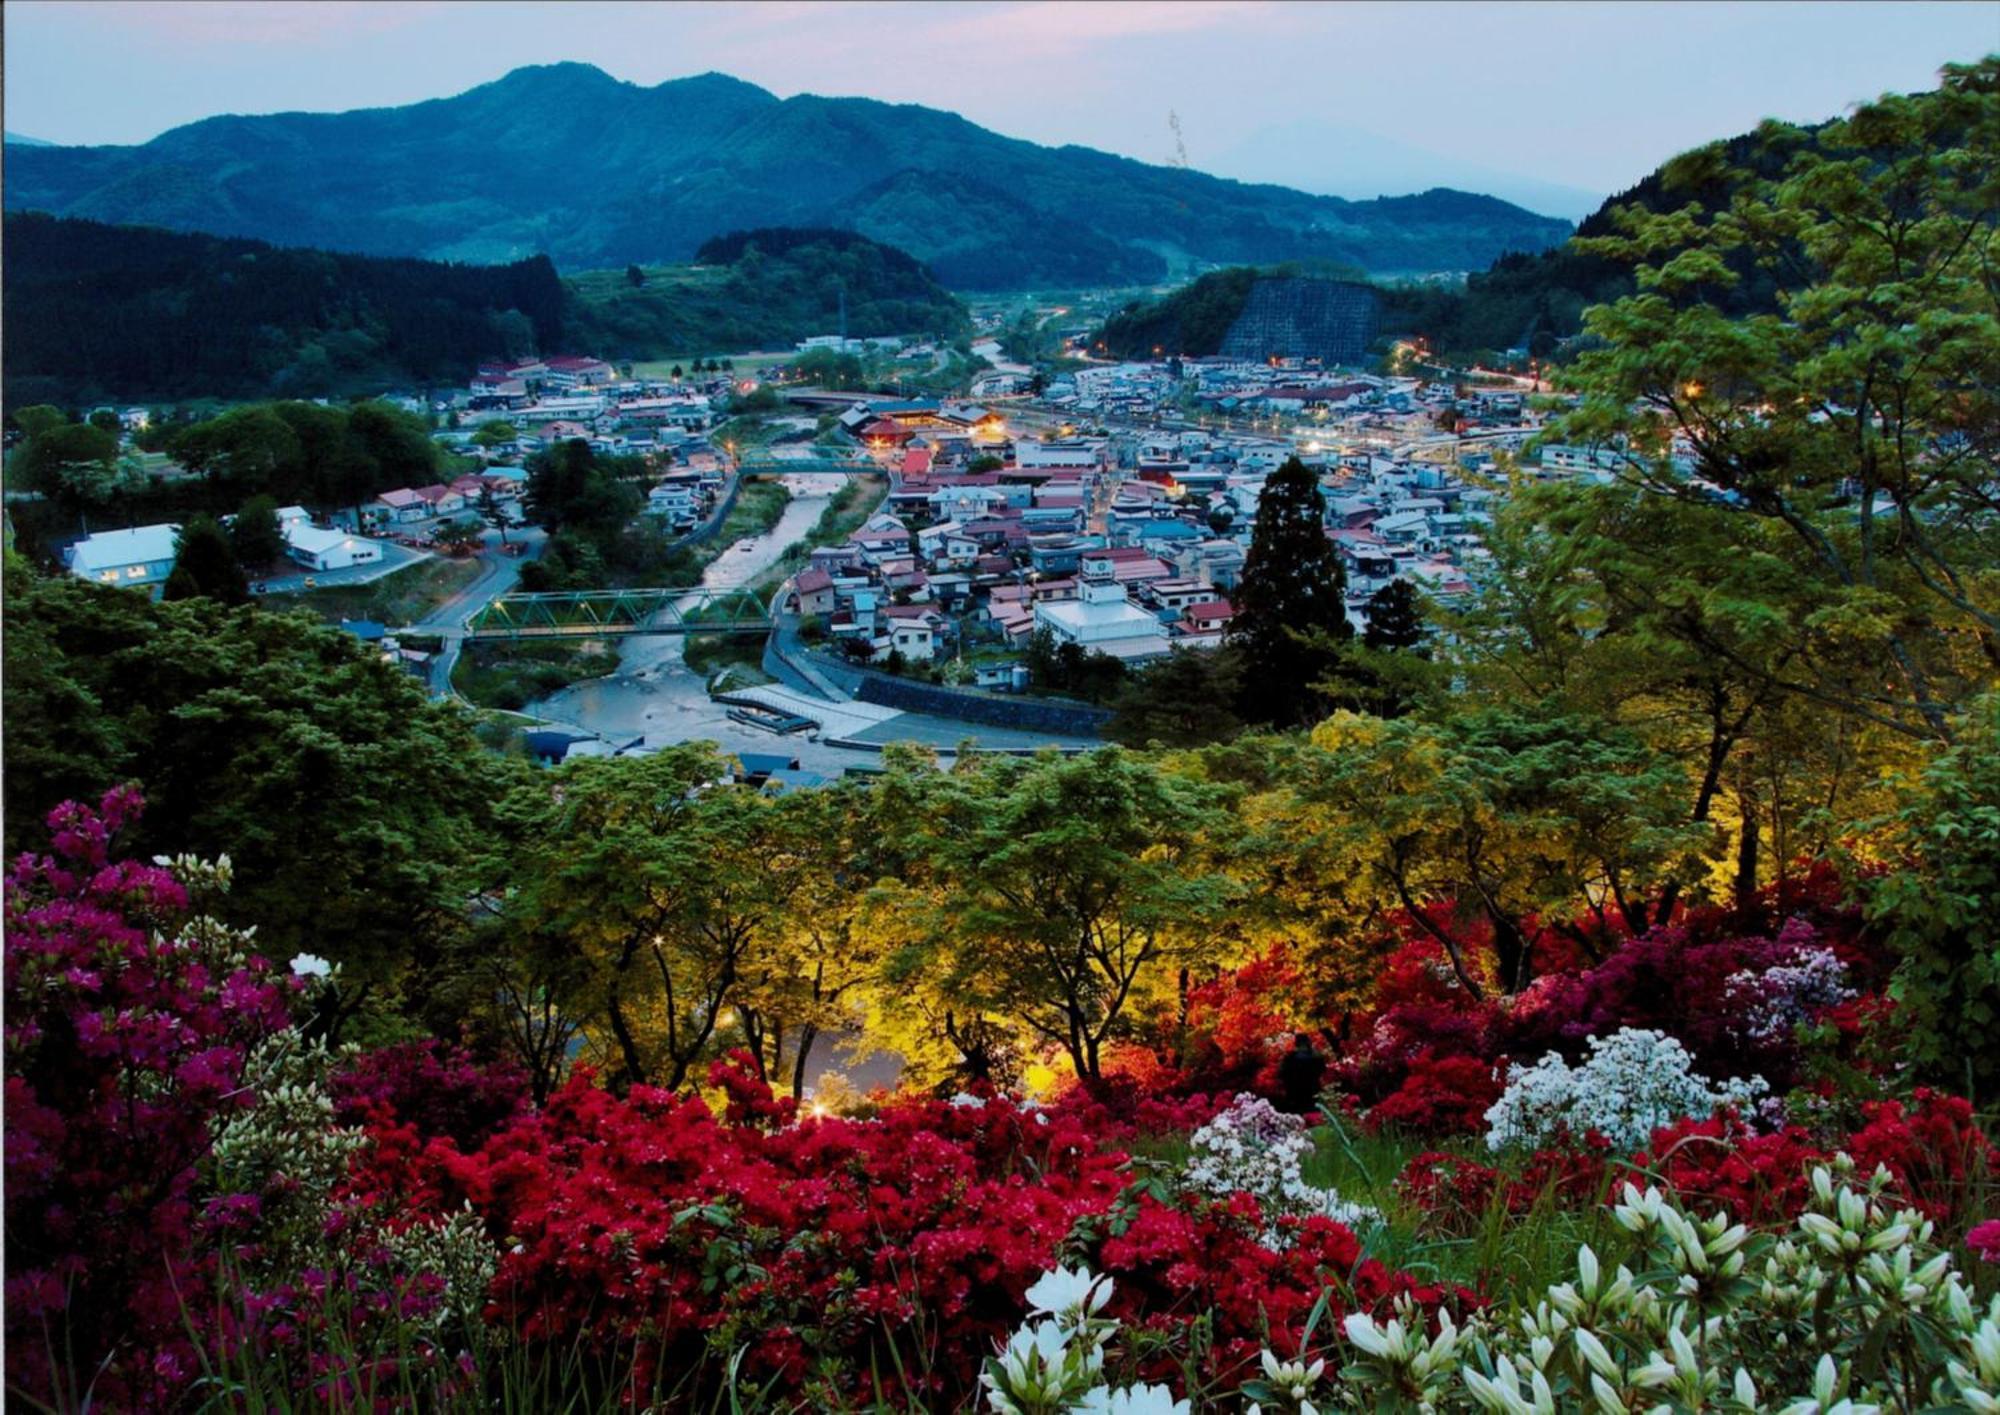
(440, 499)
(1101, 619)
(318, 549)
(914, 630)
(814, 589)
(1209, 616)
(140, 558)
(403, 504)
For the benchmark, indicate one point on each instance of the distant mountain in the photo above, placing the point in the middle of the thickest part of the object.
(1339, 159)
(96, 313)
(764, 289)
(568, 161)
(23, 140)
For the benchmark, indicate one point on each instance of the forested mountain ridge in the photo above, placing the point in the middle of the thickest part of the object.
(763, 289)
(567, 161)
(99, 312)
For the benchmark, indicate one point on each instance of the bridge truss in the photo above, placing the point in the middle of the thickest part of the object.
(601, 613)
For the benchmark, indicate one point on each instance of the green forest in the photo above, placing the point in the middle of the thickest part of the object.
(763, 289)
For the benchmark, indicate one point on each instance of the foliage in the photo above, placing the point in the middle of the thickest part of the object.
(1939, 910)
(1853, 1307)
(1842, 442)
(1187, 699)
(1291, 603)
(1049, 892)
(347, 801)
(255, 537)
(764, 289)
(205, 565)
(97, 311)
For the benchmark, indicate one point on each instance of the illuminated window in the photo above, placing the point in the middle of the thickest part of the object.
(135, 572)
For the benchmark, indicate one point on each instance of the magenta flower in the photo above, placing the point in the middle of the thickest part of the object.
(1984, 1240)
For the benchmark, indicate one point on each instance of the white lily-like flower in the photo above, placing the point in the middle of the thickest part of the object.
(1069, 1293)
(1132, 1400)
(311, 965)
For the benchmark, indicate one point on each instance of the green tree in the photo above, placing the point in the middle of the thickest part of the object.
(1841, 425)
(1291, 606)
(1395, 620)
(1187, 699)
(104, 420)
(459, 536)
(348, 802)
(494, 512)
(649, 892)
(255, 537)
(1941, 911)
(1525, 822)
(205, 565)
(494, 433)
(1052, 893)
(675, 373)
(247, 451)
(72, 463)
(634, 276)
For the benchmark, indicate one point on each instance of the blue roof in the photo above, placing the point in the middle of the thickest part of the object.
(553, 746)
(1169, 530)
(764, 763)
(366, 630)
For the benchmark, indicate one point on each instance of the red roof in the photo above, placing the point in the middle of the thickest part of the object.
(813, 581)
(1209, 609)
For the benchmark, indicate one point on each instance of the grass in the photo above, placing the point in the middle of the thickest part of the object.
(403, 597)
(1494, 1252)
(758, 506)
(497, 674)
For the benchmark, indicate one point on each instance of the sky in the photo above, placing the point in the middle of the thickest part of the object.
(1576, 95)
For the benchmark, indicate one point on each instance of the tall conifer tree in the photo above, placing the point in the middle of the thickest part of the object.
(1291, 607)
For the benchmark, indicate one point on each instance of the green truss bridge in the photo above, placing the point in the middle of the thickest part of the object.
(766, 461)
(598, 613)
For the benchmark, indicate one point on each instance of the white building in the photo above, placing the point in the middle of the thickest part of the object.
(318, 549)
(140, 558)
(1101, 619)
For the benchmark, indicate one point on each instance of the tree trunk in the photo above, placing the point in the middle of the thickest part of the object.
(1746, 846)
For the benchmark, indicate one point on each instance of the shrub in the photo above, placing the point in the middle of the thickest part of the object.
(129, 1023)
(1632, 1082)
(1854, 1308)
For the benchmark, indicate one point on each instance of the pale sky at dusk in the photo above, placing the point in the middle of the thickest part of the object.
(1581, 94)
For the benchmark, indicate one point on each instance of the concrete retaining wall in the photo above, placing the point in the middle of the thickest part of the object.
(960, 704)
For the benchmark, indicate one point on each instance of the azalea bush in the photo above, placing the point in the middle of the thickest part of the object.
(1631, 1083)
(1255, 1149)
(130, 1022)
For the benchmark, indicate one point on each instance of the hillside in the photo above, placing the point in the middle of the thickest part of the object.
(760, 290)
(1248, 313)
(567, 161)
(97, 312)
(1532, 300)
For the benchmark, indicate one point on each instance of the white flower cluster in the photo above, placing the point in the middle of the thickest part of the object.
(1257, 1149)
(1054, 1365)
(1721, 1319)
(1632, 1082)
(1777, 1000)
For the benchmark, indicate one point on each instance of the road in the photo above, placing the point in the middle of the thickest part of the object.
(499, 573)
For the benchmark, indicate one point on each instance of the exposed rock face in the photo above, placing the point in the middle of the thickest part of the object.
(1301, 317)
